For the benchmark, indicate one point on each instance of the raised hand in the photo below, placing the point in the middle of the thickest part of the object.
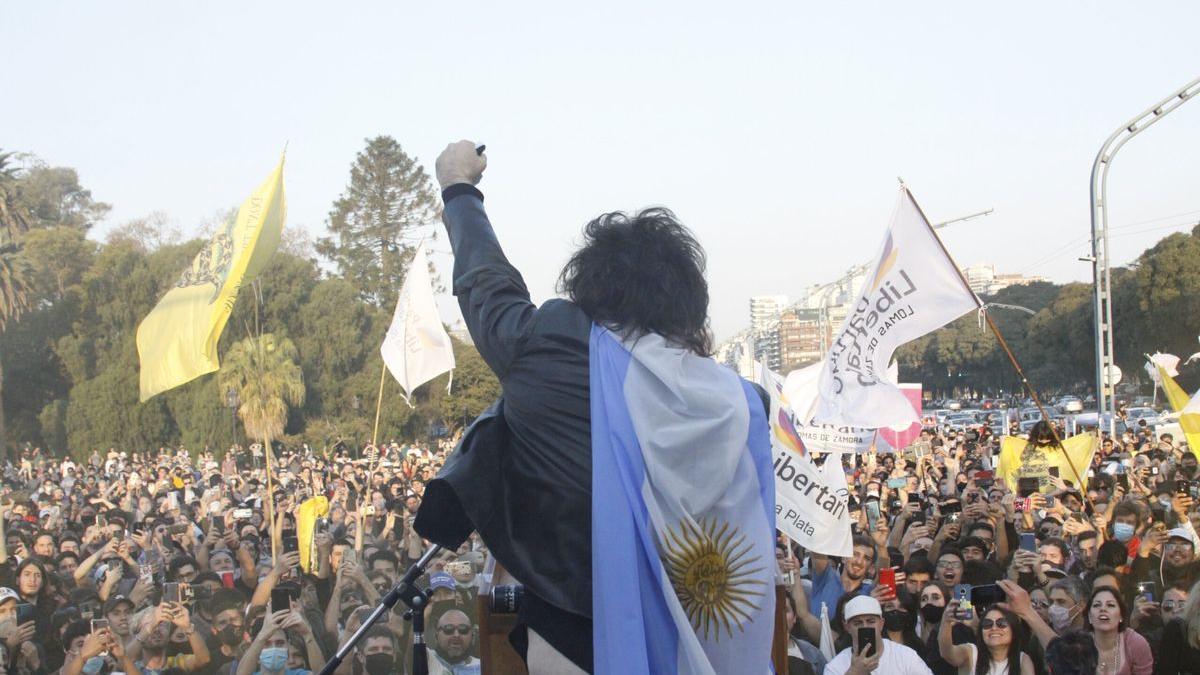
(460, 163)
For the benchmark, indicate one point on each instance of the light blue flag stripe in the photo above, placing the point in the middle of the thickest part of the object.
(759, 441)
(632, 628)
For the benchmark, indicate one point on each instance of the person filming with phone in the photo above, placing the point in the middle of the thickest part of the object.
(869, 651)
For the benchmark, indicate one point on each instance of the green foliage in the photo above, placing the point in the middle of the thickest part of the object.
(59, 256)
(263, 371)
(379, 219)
(55, 198)
(72, 359)
(1156, 307)
(474, 388)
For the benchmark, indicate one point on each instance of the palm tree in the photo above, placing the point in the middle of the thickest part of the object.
(14, 215)
(15, 277)
(268, 380)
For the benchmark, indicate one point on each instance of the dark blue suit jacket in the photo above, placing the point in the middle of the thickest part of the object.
(522, 474)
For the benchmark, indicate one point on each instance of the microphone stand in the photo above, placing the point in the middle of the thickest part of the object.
(416, 599)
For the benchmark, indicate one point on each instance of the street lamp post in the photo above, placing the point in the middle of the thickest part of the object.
(232, 401)
(355, 404)
(1101, 271)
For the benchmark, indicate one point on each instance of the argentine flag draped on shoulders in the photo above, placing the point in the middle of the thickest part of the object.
(683, 513)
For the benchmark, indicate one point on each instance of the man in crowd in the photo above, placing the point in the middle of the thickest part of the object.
(869, 651)
(452, 644)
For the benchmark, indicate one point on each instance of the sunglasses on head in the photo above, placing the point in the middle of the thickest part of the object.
(998, 623)
(463, 629)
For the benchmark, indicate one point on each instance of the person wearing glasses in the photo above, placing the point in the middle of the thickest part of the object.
(996, 650)
(1173, 602)
(1180, 650)
(453, 639)
(949, 567)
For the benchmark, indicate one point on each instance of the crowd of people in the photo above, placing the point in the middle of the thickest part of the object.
(955, 570)
(168, 563)
(149, 563)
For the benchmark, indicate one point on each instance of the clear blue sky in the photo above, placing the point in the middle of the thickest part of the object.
(775, 130)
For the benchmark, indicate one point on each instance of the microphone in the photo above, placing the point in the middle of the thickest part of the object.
(480, 149)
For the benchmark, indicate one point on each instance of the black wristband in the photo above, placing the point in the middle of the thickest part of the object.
(459, 189)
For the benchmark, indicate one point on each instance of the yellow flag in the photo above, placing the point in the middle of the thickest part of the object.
(1021, 459)
(306, 524)
(1189, 422)
(177, 341)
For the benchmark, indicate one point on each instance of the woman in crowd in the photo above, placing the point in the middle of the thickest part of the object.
(31, 586)
(1122, 651)
(1180, 650)
(997, 647)
(932, 608)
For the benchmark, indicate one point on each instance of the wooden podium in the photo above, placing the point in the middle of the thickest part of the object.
(497, 657)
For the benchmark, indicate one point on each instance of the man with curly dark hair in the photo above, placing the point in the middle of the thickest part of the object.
(523, 476)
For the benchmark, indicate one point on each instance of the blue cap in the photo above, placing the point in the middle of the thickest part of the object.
(441, 580)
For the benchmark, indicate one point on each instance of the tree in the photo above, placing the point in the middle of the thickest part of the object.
(55, 198)
(14, 212)
(474, 388)
(15, 285)
(148, 233)
(268, 380)
(296, 241)
(59, 257)
(379, 219)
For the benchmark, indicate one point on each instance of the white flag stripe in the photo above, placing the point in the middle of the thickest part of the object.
(914, 288)
(416, 348)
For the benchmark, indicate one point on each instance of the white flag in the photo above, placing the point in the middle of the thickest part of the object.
(811, 502)
(913, 289)
(800, 392)
(416, 348)
(1168, 362)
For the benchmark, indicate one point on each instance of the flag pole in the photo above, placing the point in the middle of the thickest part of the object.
(1004, 345)
(270, 498)
(378, 409)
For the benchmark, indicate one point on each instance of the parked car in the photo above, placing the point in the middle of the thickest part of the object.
(1141, 413)
(1070, 404)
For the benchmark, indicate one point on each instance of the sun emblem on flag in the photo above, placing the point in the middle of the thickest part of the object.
(713, 574)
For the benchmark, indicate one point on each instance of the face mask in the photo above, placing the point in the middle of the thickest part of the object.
(273, 658)
(93, 665)
(1060, 618)
(1123, 532)
(895, 620)
(1188, 469)
(932, 613)
(229, 636)
(379, 664)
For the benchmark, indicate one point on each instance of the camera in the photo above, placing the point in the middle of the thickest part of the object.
(506, 599)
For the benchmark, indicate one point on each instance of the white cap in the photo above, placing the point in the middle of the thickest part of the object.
(863, 604)
(1181, 533)
(7, 594)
